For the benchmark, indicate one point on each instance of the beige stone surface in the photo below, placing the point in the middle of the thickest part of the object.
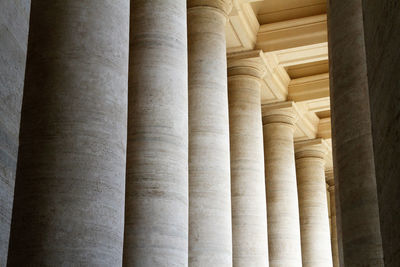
(70, 184)
(249, 218)
(280, 174)
(332, 202)
(156, 217)
(210, 227)
(313, 206)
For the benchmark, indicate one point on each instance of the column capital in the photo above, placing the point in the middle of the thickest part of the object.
(282, 112)
(330, 179)
(316, 148)
(246, 68)
(224, 6)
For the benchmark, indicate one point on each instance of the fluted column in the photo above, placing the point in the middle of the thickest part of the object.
(70, 185)
(353, 156)
(332, 203)
(280, 173)
(314, 216)
(210, 230)
(156, 215)
(249, 218)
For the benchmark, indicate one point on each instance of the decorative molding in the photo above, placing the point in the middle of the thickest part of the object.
(330, 178)
(275, 81)
(324, 128)
(307, 125)
(224, 6)
(243, 27)
(292, 33)
(315, 148)
(309, 88)
(282, 112)
(302, 54)
(318, 105)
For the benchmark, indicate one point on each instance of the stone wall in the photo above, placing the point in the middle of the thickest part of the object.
(14, 24)
(382, 38)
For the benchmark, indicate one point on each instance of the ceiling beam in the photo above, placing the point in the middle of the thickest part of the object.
(303, 55)
(292, 33)
(309, 88)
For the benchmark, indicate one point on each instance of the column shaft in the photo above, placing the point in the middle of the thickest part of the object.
(334, 242)
(14, 28)
(282, 202)
(313, 206)
(249, 218)
(210, 228)
(156, 214)
(354, 168)
(69, 193)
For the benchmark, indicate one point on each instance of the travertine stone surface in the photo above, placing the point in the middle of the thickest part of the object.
(249, 211)
(382, 41)
(221, 5)
(332, 202)
(69, 192)
(156, 217)
(14, 24)
(280, 173)
(313, 205)
(210, 230)
(354, 167)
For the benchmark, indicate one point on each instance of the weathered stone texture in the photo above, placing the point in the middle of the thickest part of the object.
(249, 211)
(382, 39)
(354, 169)
(14, 22)
(284, 242)
(210, 227)
(156, 215)
(313, 206)
(70, 185)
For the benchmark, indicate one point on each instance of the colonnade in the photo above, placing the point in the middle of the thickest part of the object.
(205, 175)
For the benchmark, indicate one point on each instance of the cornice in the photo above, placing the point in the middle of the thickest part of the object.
(277, 78)
(292, 33)
(309, 88)
(243, 26)
(302, 54)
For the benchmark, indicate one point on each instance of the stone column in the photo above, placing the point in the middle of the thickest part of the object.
(353, 157)
(334, 242)
(249, 217)
(156, 214)
(280, 173)
(14, 28)
(69, 193)
(210, 228)
(313, 205)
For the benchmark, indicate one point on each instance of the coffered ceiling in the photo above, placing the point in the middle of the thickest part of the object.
(288, 38)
